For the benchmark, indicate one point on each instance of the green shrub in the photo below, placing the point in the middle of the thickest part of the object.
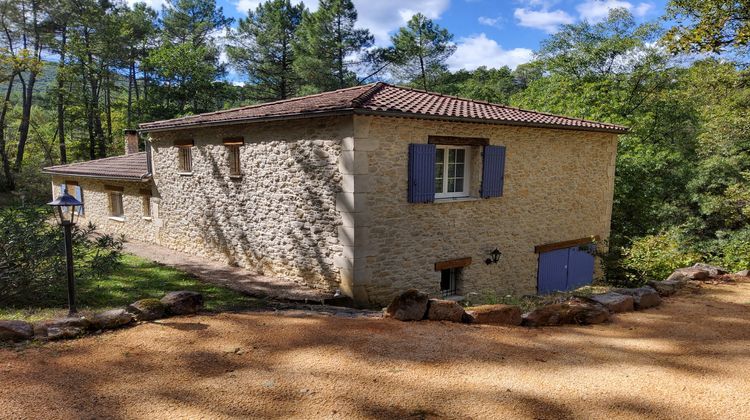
(32, 262)
(730, 250)
(655, 257)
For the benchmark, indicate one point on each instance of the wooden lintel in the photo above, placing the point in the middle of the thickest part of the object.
(234, 141)
(458, 141)
(565, 244)
(114, 188)
(184, 142)
(145, 191)
(457, 263)
(71, 182)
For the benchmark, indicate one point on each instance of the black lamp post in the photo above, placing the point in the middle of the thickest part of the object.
(66, 209)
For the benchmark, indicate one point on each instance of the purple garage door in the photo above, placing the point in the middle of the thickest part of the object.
(566, 269)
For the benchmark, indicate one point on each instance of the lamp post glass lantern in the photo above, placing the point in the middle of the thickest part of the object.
(66, 210)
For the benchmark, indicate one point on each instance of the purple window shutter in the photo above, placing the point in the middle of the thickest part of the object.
(421, 173)
(493, 171)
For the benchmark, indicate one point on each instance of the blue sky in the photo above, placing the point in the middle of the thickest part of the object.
(487, 32)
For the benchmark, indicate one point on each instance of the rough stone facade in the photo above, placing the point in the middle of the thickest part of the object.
(324, 201)
(558, 186)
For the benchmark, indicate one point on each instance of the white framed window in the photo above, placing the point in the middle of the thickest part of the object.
(115, 204)
(452, 171)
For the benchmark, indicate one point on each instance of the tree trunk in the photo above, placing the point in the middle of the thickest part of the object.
(28, 93)
(9, 181)
(61, 99)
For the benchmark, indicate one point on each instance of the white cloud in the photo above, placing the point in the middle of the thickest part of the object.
(597, 10)
(546, 20)
(154, 4)
(478, 50)
(488, 21)
(382, 17)
(244, 5)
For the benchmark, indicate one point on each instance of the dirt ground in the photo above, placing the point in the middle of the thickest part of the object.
(689, 358)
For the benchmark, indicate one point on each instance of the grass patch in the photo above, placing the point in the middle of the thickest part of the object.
(136, 278)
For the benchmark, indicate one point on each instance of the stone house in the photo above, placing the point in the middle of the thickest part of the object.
(370, 190)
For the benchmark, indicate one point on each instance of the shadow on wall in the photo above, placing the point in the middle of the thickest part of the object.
(231, 223)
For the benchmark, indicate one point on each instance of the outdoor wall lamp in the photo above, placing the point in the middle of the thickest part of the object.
(494, 257)
(66, 209)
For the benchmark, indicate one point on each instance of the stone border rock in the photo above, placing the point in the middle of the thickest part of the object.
(414, 305)
(174, 303)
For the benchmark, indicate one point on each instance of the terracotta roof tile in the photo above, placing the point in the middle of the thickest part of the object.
(382, 98)
(132, 167)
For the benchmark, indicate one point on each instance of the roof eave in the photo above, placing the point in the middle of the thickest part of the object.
(360, 111)
(238, 121)
(143, 178)
(623, 130)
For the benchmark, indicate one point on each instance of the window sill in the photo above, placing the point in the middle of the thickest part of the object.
(117, 218)
(185, 173)
(235, 177)
(455, 199)
(147, 218)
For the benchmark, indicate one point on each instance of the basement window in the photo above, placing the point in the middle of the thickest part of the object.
(450, 280)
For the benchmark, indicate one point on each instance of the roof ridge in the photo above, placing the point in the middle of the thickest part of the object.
(287, 100)
(365, 96)
(83, 162)
(478, 101)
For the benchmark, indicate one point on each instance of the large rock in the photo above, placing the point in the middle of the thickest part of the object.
(743, 273)
(61, 328)
(496, 314)
(15, 331)
(573, 311)
(713, 270)
(111, 319)
(147, 309)
(688, 273)
(615, 302)
(666, 287)
(643, 297)
(445, 310)
(410, 305)
(183, 302)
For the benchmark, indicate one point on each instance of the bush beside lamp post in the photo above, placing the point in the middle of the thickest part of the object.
(66, 208)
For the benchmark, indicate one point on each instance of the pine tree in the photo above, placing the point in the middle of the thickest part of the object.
(422, 49)
(262, 49)
(326, 43)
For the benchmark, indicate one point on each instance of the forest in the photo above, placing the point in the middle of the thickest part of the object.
(75, 73)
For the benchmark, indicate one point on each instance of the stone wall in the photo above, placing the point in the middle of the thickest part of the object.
(279, 218)
(96, 207)
(558, 186)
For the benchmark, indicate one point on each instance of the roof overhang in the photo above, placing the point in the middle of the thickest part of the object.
(144, 178)
(397, 114)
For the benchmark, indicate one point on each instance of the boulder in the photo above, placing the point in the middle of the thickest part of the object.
(554, 314)
(15, 331)
(615, 302)
(61, 328)
(643, 297)
(183, 302)
(147, 309)
(743, 273)
(713, 270)
(111, 319)
(688, 273)
(445, 310)
(584, 311)
(666, 287)
(496, 314)
(573, 311)
(410, 305)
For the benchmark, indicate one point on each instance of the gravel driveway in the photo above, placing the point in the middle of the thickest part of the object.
(688, 359)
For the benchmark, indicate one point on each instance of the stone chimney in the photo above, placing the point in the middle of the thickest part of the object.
(131, 141)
